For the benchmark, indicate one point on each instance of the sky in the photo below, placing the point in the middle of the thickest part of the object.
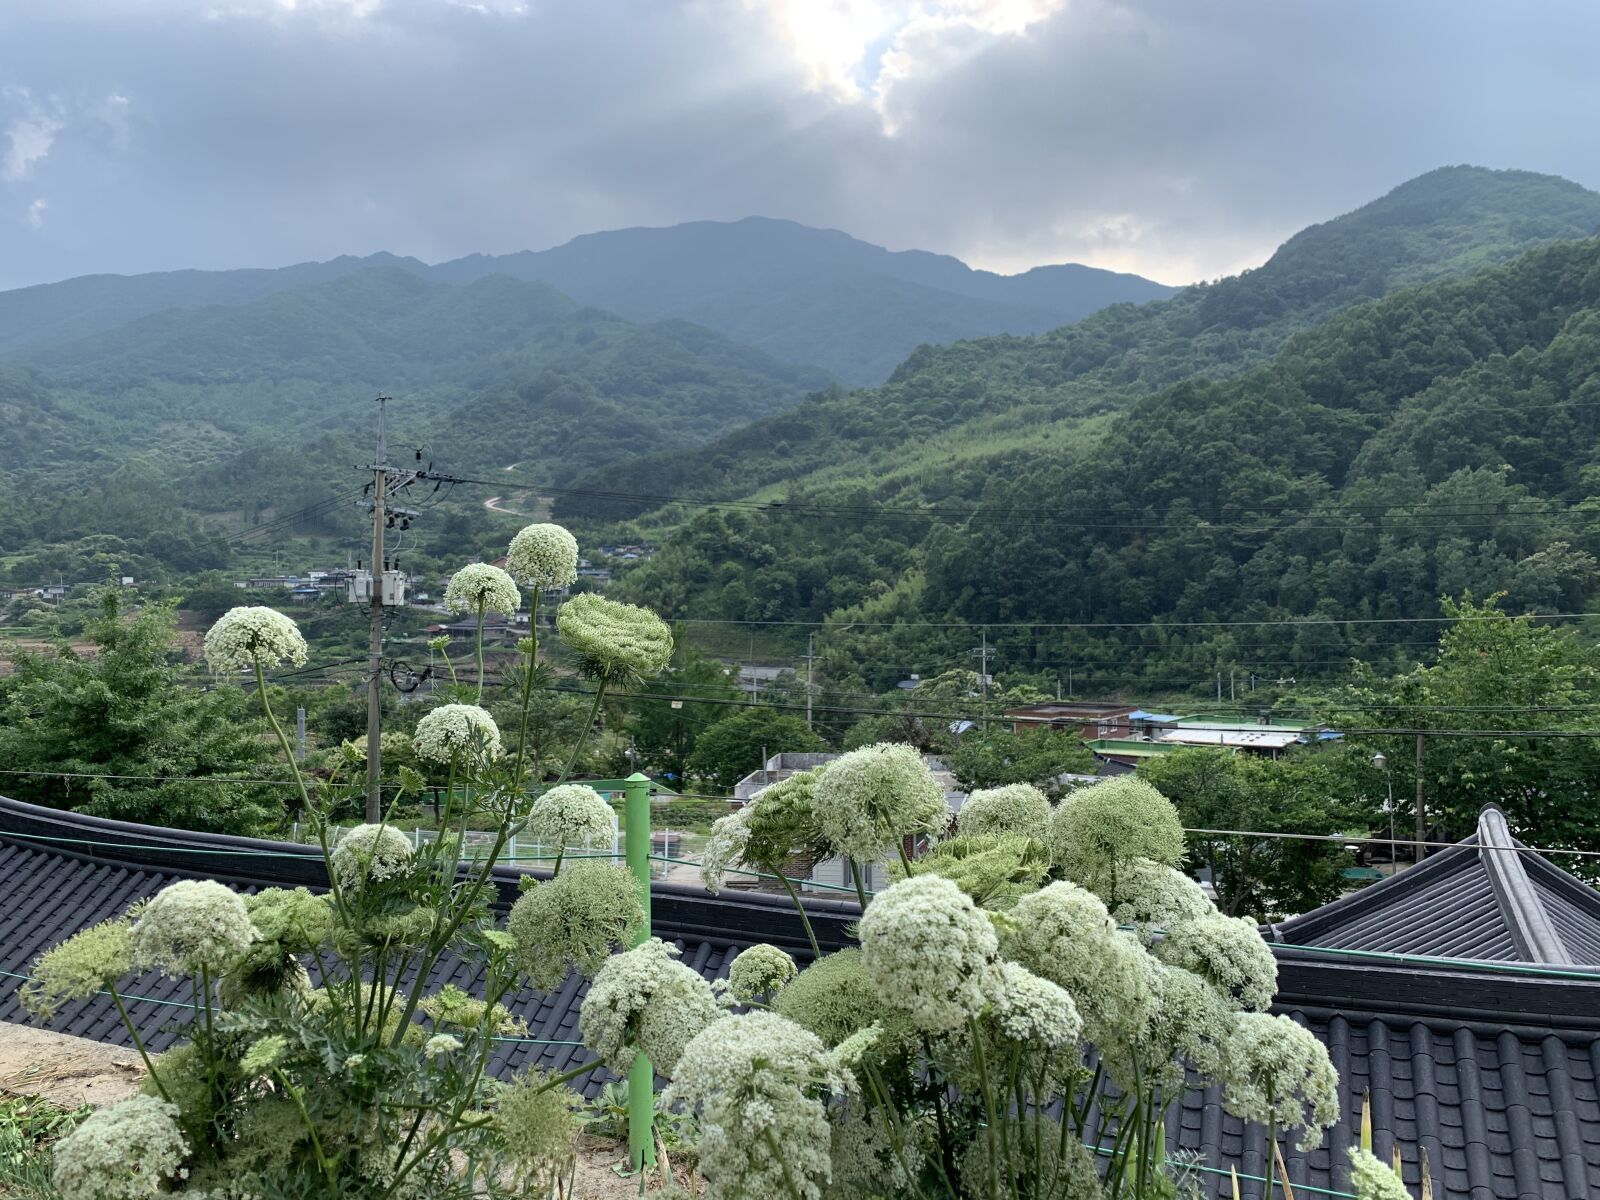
(1182, 140)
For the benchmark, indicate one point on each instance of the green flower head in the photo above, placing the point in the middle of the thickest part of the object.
(619, 643)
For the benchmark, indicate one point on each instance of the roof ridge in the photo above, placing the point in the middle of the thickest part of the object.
(1519, 901)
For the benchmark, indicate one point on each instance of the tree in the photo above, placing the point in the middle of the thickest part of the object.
(1037, 756)
(735, 745)
(1494, 672)
(665, 731)
(120, 710)
(1318, 792)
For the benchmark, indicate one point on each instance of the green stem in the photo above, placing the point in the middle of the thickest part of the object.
(316, 1142)
(481, 604)
(527, 685)
(588, 729)
(138, 1043)
(996, 1132)
(566, 1077)
(861, 891)
(799, 907)
(283, 738)
(560, 854)
(783, 1162)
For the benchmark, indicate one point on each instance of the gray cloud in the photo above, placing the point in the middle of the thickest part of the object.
(1179, 140)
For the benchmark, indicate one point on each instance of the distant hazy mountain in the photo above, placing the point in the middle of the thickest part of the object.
(805, 296)
(813, 296)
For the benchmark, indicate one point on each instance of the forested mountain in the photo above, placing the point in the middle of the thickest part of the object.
(813, 296)
(809, 297)
(236, 409)
(950, 414)
(1439, 440)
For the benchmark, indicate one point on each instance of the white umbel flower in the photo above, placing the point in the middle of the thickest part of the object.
(1017, 808)
(1151, 894)
(871, 798)
(191, 924)
(1275, 1071)
(126, 1151)
(1029, 1008)
(1229, 953)
(760, 970)
(931, 953)
(453, 730)
(725, 848)
(440, 1045)
(1372, 1180)
(482, 586)
(572, 814)
(1065, 934)
(543, 556)
(243, 635)
(644, 999)
(370, 854)
(758, 1082)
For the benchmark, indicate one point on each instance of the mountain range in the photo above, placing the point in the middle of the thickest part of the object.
(809, 297)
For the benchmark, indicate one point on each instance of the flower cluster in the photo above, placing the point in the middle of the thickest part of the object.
(370, 854)
(543, 556)
(452, 1007)
(868, 800)
(1229, 953)
(761, 970)
(482, 587)
(440, 1045)
(191, 924)
(931, 953)
(644, 999)
(1028, 1008)
(616, 642)
(1098, 827)
(572, 814)
(244, 636)
(1146, 893)
(457, 730)
(726, 847)
(1064, 933)
(1037, 1159)
(574, 920)
(865, 1161)
(1189, 1023)
(1371, 1180)
(1273, 1071)
(996, 870)
(86, 962)
(833, 997)
(126, 1151)
(536, 1123)
(756, 1081)
(1018, 808)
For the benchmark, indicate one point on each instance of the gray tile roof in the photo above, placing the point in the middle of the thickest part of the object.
(1489, 898)
(1491, 1070)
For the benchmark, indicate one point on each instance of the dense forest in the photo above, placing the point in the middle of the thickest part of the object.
(1436, 441)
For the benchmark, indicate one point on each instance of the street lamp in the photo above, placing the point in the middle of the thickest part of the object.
(1382, 763)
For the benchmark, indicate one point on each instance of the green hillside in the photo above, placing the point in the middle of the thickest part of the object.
(234, 412)
(951, 414)
(1439, 440)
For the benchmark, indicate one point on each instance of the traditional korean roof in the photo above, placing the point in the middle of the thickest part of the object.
(1490, 898)
(1488, 1065)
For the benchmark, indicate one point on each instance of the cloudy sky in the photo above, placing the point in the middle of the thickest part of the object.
(1182, 139)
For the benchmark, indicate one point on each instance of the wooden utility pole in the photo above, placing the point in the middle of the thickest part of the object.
(811, 672)
(380, 479)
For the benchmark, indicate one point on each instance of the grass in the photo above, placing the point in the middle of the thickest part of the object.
(28, 1127)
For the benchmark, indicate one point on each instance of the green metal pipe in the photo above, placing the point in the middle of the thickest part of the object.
(641, 1079)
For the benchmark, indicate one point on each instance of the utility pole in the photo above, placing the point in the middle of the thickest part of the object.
(1231, 696)
(380, 480)
(1422, 818)
(983, 676)
(811, 671)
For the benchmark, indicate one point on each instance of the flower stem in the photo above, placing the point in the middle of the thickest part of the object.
(283, 738)
(588, 728)
(527, 685)
(482, 602)
(138, 1042)
(799, 907)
